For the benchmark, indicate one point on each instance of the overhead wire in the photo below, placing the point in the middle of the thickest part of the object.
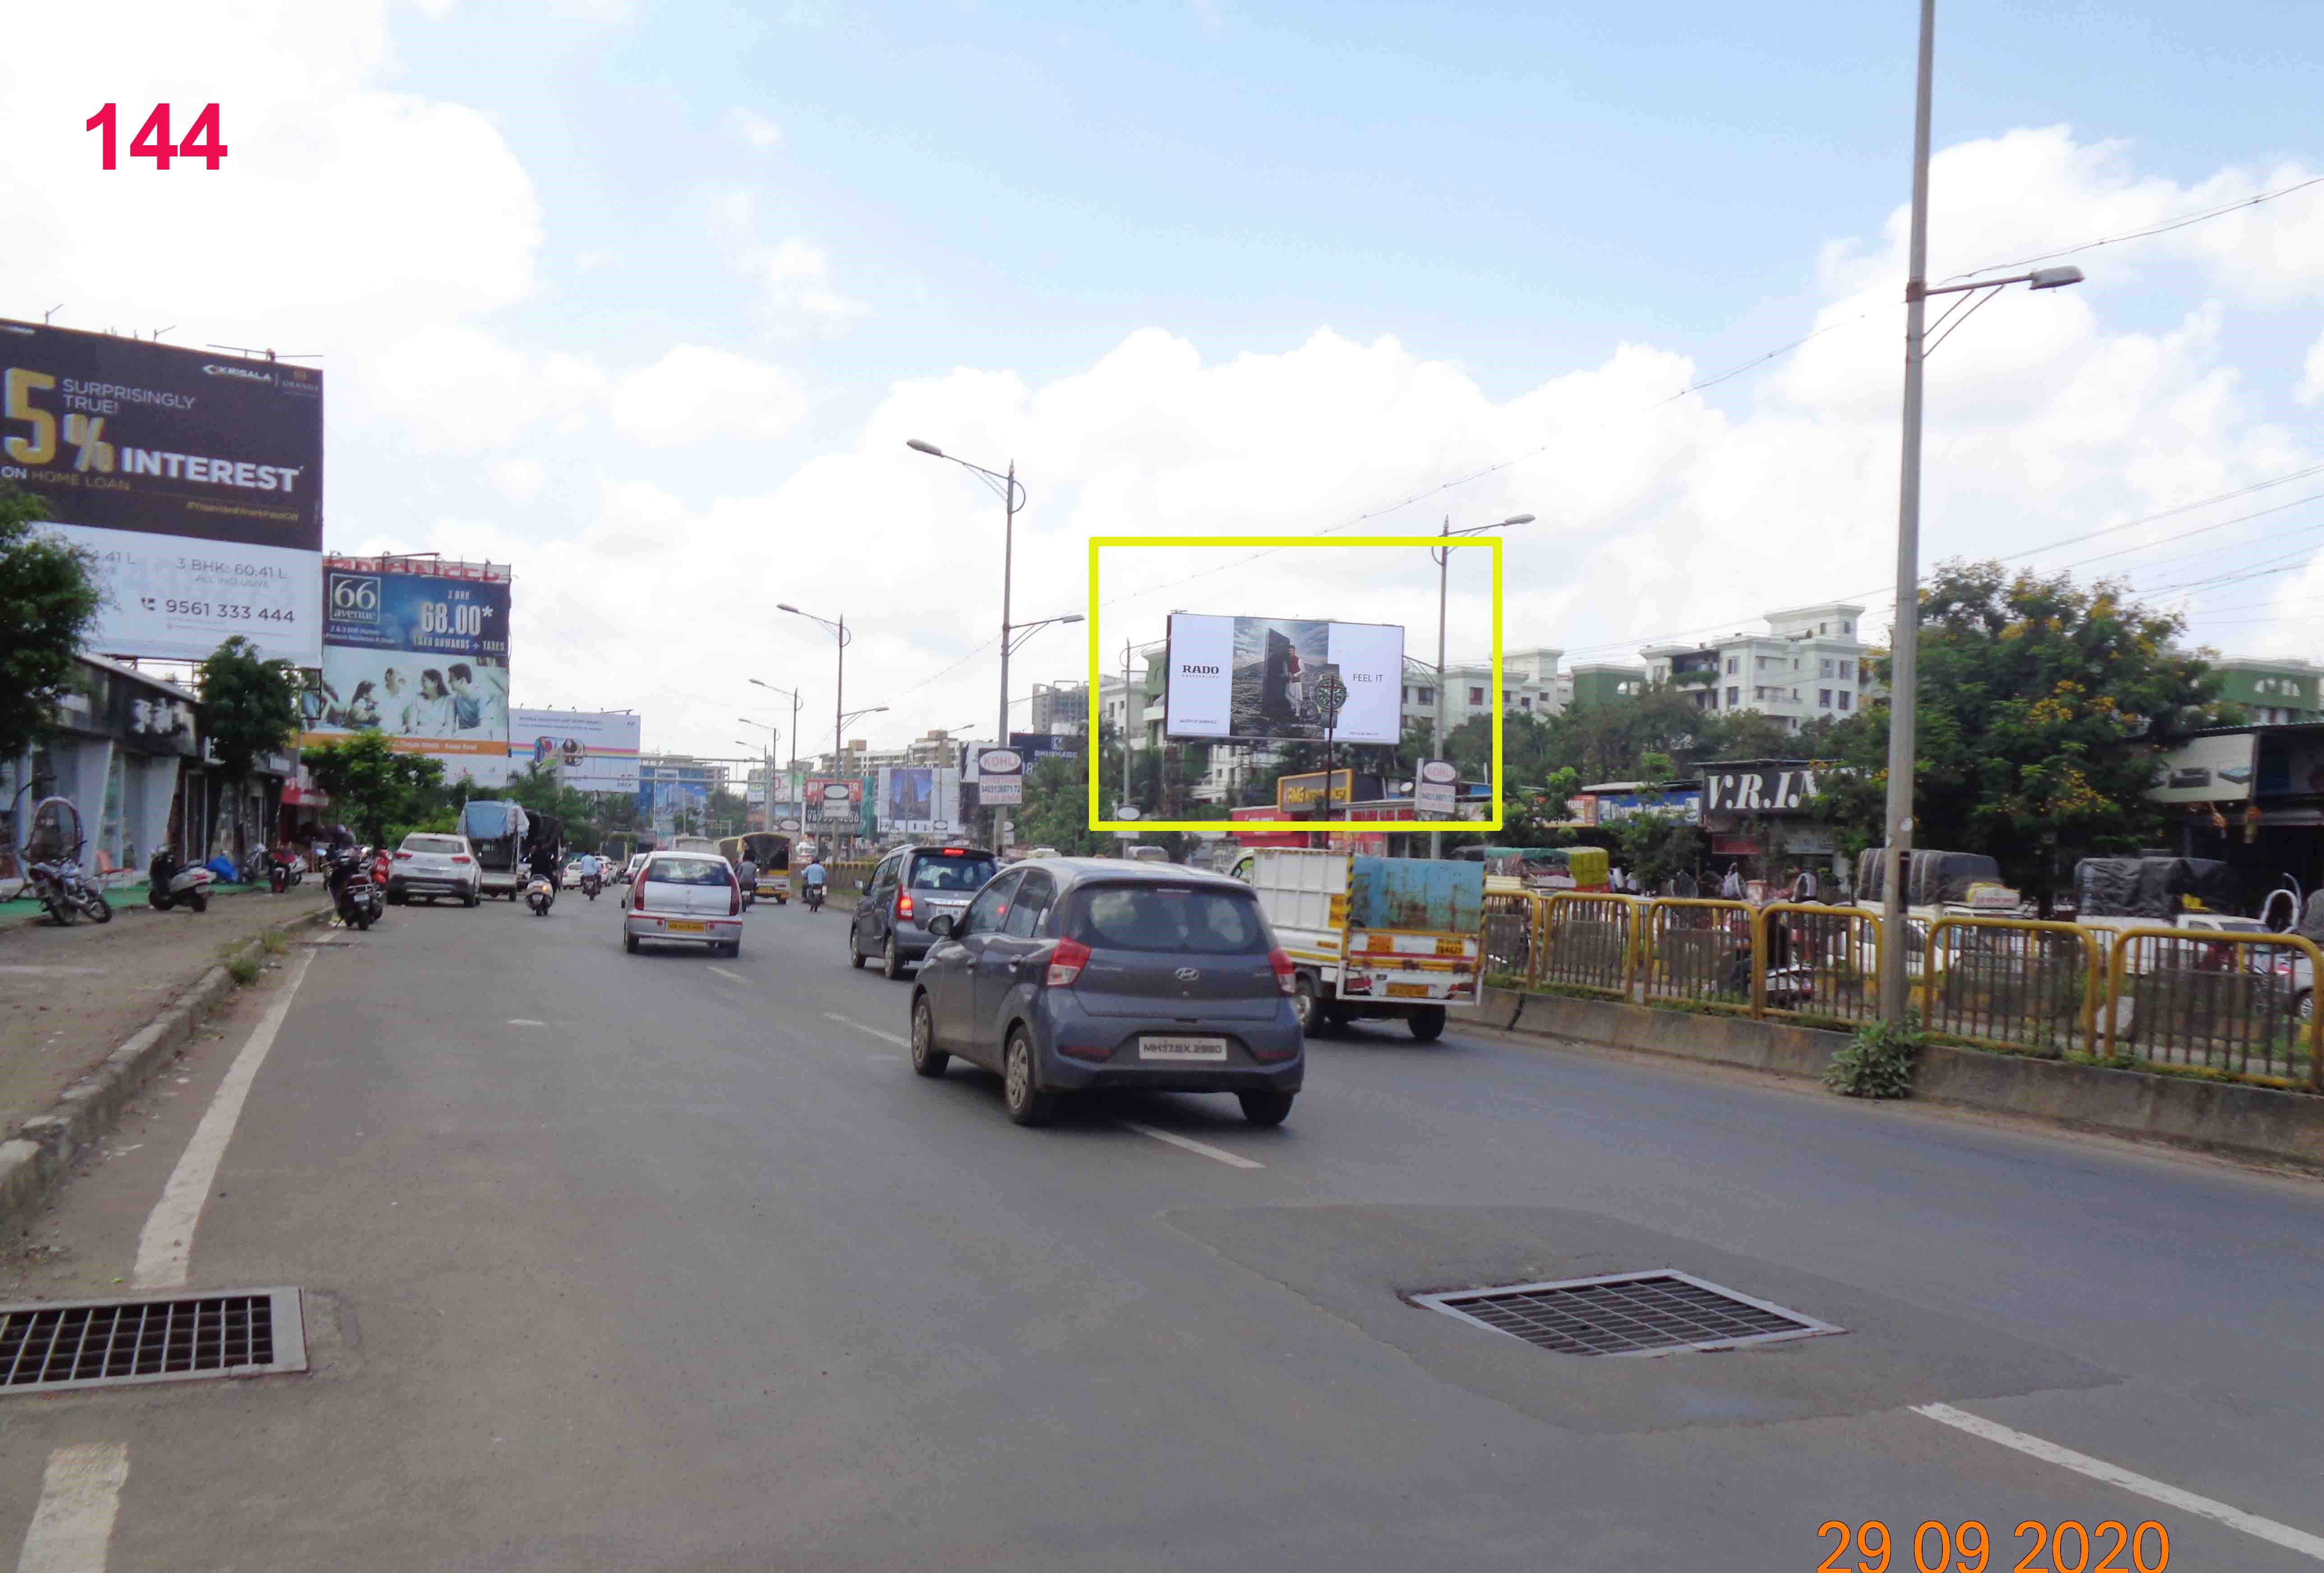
(2206, 215)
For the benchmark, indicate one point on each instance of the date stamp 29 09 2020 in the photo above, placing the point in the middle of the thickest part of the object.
(1969, 1547)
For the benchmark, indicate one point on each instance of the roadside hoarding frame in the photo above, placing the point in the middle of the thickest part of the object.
(1489, 545)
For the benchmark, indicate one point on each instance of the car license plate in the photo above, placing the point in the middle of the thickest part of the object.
(680, 926)
(1407, 991)
(1173, 1048)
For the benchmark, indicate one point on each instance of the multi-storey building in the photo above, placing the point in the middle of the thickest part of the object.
(2272, 692)
(1060, 707)
(1810, 663)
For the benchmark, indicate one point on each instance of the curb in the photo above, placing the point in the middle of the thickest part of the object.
(35, 1160)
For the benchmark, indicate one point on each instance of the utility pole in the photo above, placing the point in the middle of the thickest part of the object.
(1904, 674)
(1127, 790)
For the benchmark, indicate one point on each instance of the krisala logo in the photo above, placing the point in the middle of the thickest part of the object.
(238, 372)
(1200, 671)
(353, 597)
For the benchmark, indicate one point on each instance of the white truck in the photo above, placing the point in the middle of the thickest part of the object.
(1372, 938)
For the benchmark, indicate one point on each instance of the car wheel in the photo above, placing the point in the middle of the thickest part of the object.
(1026, 1104)
(630, 943)
(1427, 1023)
(1303, 1004)
(854, 947)
(927, 1059)
(891, 959)
(473, 898)
(1265, 1107)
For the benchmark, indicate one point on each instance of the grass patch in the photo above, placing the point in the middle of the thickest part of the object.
(1876, 1063)
(275, 941)
(244, 970)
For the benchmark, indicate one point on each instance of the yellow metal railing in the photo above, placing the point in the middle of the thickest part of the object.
(1978, 974)
(1811, 960)
(1586, 940)
(2191, 1004)
(1702, 951)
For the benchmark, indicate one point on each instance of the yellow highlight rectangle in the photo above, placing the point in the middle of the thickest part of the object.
(1490, 545)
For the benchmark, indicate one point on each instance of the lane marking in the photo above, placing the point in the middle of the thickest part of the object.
(167, 1243)
(885, 1037)
(525, 1021)
(722, 972)
(1232, 1160)
(2266, 1529)
(80, 1493)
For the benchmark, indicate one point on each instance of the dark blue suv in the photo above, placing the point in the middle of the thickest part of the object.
(1072, 973)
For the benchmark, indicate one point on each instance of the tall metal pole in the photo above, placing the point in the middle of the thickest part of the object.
(1008, 566)
(1904, 677)
(1444, 555)
(1127, 790)
(838, 722)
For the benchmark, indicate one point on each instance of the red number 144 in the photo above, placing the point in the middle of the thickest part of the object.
(153, 140)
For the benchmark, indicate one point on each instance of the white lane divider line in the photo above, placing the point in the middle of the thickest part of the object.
(167, 1243)
(2266, 1529)
(525, 1021)
(1232, 1160)
(722, 972)
(885, 1037)
(80, 1495)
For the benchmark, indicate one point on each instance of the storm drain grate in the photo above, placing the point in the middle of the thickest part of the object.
(1626, 1313)
(107, 1343)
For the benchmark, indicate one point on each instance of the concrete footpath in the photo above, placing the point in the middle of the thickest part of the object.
(69, 997)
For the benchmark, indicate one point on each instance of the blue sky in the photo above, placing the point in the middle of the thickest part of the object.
(644, 295)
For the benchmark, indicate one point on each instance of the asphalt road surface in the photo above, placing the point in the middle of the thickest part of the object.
(665, 1261)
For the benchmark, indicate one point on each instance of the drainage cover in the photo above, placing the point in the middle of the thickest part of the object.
(108, 1343)
(1626, 1313)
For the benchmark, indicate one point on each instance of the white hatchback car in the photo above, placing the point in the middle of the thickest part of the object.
(432, 866)
(684, 896)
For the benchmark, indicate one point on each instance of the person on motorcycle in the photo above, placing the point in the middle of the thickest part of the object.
(811, 882)
(542, 865)
(747, 871)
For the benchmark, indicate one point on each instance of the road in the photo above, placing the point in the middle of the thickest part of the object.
(662, 1262)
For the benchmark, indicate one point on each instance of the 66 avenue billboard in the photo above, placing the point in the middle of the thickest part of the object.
(195, 480)
(1263, 677)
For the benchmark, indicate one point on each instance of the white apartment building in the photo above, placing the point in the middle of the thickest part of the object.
(1060, 707)
(1530, 686)
(1809, 664)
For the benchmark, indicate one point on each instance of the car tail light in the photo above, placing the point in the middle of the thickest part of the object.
(638, 895)
(1067, 962)
(462, 858)
(903, 904)
(1286, 977)
(401, 856)
(733, 899)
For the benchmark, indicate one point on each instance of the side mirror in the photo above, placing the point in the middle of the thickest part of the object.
(941, 925)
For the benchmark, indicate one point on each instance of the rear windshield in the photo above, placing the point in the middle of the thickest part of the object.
(687, 871)
(943, 873)
(429, 844)
(1170, 917)
(488, 820)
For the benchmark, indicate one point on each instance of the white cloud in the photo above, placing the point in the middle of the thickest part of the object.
(1207, 18)
(519, 479)
(694, 392)
(791, 280)
(460, 387)
(754, 128)
(2311, 385)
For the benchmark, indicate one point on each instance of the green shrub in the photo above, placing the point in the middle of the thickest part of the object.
(244, 970)
(1877, 1061)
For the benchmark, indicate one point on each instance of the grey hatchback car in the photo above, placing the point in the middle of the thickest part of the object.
(909, 888)
(1073, 973)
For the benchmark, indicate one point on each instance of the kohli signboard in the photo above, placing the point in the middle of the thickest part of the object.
(1000, 778)
(195, 480)
(1256, 678)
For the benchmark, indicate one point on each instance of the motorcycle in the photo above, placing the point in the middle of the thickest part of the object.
(171, 883)
(538, 893)
(590, 885)
(51, 858)
(814, 898)
(282, 871)
(356, 897)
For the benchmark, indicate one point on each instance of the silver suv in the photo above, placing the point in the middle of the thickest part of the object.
(909, 889)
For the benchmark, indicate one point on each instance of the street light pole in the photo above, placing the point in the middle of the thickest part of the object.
(792, 694)
(1905, 651)
(1444, 555)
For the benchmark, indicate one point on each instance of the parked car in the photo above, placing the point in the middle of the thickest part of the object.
(433, 866)
(1073, 973)
(630, 870)
(690, 897)
(907, 890)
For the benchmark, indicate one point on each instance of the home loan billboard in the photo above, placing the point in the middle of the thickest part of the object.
(194, 480)
(1257, 679)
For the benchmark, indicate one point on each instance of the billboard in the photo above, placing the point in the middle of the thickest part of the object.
(593, 751)
(194, 479)
(1000, 778)
(1436, 789)
(418, 648)
(2205, 770)
(1037, 745)
(1256, 678)
(835, 802)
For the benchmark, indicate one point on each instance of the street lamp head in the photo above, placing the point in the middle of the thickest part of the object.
(1071, 617)
(1516, 518)
(2053, 278)
(783, 606)
(917, 445)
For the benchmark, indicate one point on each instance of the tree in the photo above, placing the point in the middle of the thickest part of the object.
(377, 789)
(2039, 707)
(48, 599)
(250, 707)
(1055, 809)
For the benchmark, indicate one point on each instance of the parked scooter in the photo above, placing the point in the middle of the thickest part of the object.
(284, 870)
(51, 858)
(538, 893)
(171, 883)
(356, 897)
